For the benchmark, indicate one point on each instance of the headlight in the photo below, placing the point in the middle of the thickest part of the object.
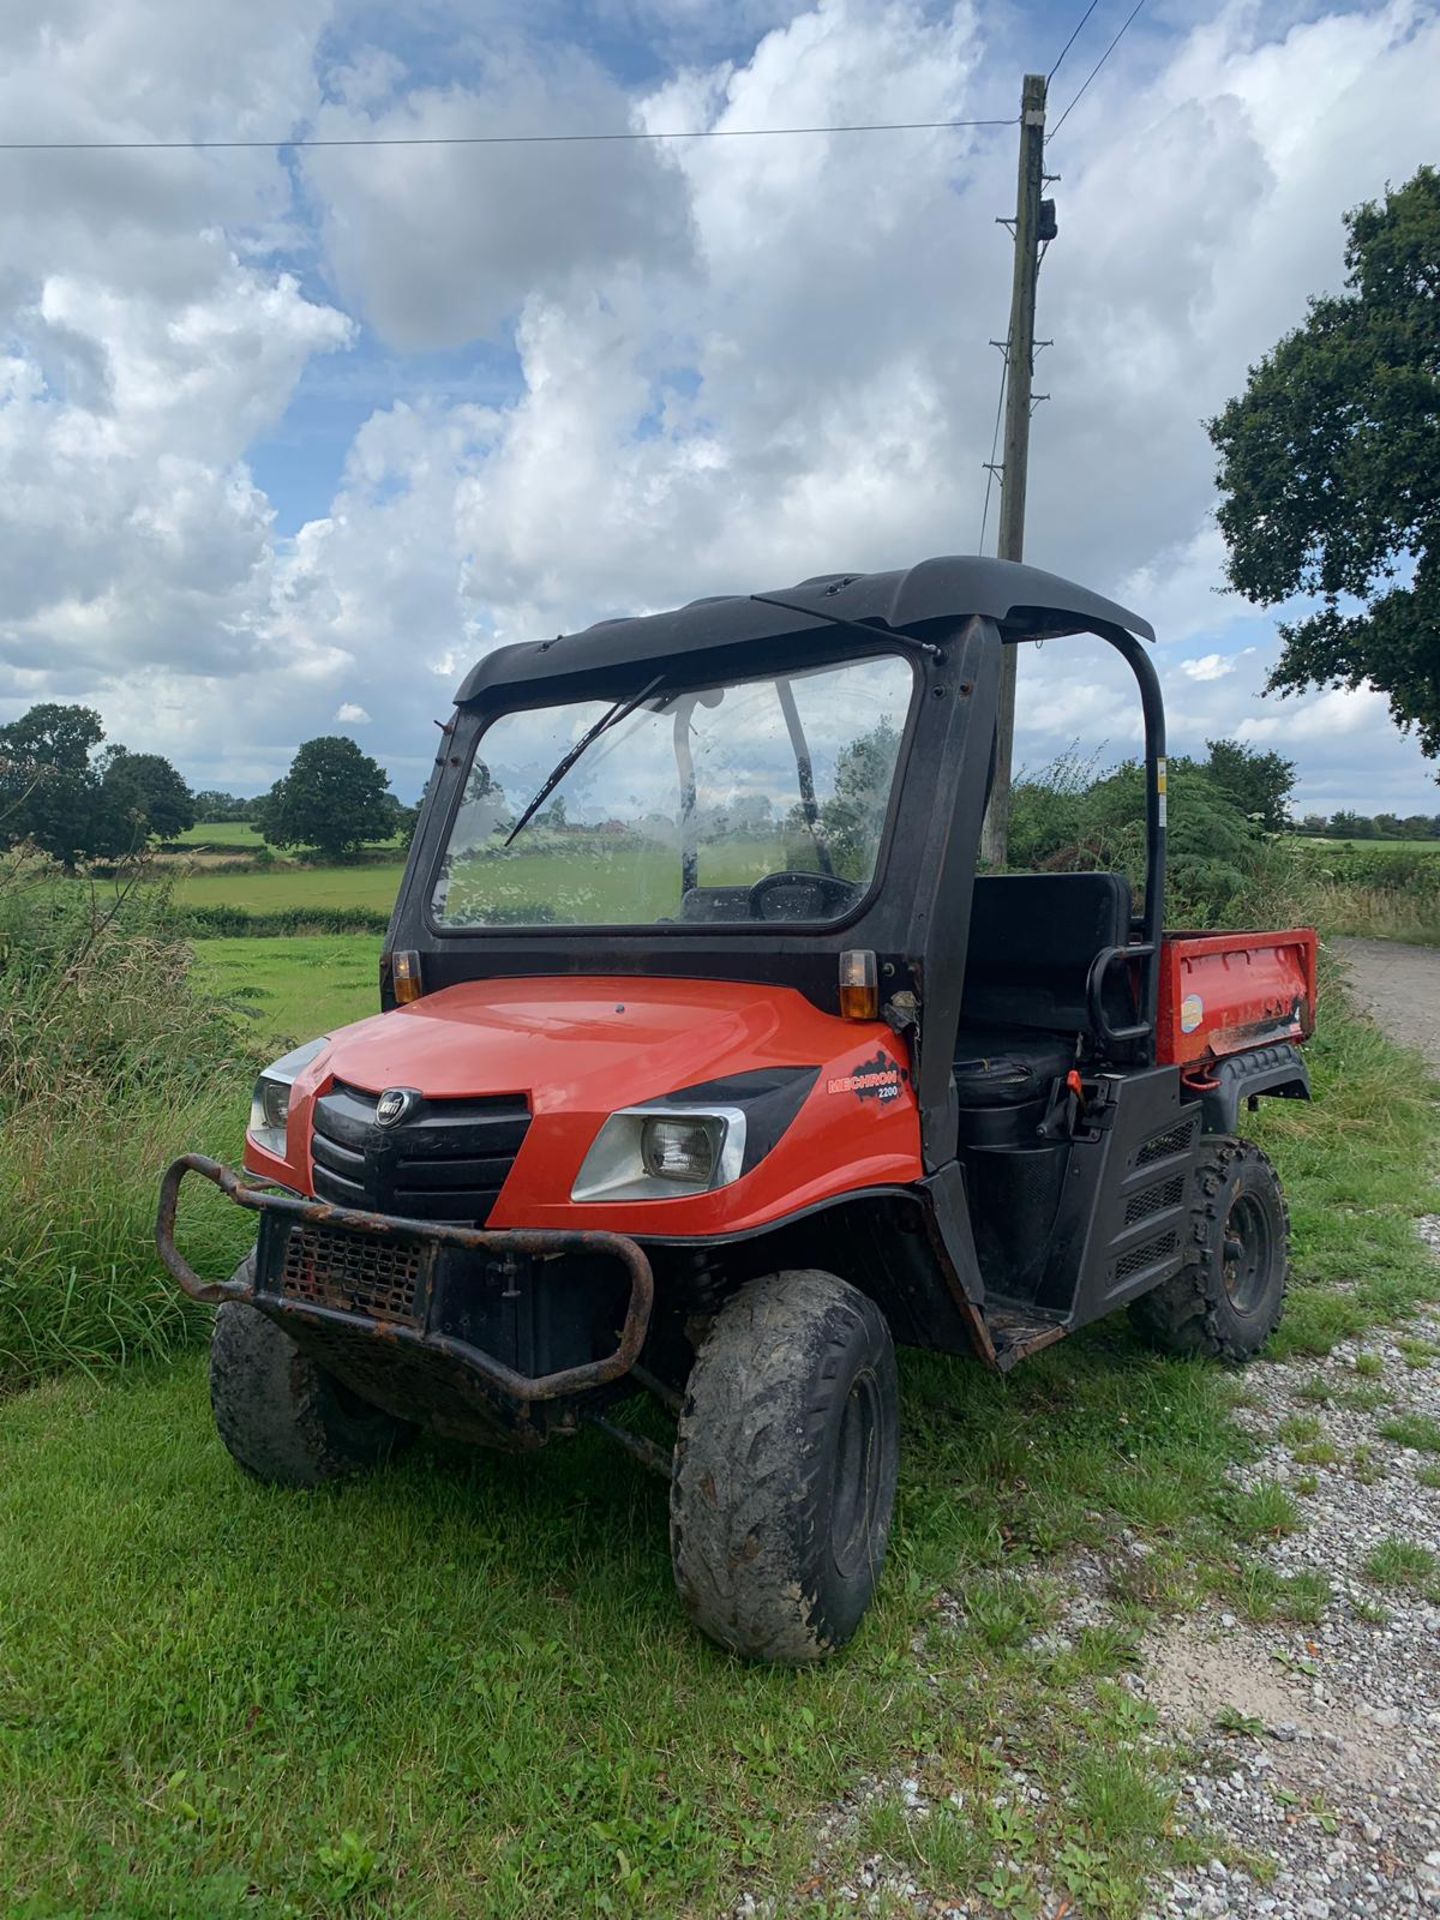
(663, 1153)
(270, 1102)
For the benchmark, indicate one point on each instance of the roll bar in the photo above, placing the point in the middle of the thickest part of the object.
(1153, 708)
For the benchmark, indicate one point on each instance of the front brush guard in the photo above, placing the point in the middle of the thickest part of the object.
(503, 1243)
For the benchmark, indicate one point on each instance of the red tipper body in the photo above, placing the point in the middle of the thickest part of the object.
(1221, 993)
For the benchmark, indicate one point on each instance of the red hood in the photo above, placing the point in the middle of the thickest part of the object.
(580, 1043)
(579, 1047)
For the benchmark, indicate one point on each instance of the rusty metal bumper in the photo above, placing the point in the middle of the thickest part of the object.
(501, 1244)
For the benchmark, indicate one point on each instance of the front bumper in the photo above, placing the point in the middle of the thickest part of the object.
(343, 1295)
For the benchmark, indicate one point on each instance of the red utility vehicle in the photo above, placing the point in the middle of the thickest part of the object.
(709, 1068)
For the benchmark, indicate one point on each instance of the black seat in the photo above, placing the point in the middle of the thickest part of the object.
(1025, 1008)
(1006, 1066)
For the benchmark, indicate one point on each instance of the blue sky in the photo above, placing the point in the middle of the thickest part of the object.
(287, 438)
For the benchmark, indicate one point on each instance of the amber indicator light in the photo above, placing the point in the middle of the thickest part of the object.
(859, 985)
(405, 977)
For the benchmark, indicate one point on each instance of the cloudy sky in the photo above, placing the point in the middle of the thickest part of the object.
(288, 437)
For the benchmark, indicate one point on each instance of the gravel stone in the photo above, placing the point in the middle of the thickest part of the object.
(1342, 1793)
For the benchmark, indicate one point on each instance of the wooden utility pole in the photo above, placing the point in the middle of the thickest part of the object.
(1020, 374)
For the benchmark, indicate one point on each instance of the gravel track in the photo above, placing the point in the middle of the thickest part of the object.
(1398, 986)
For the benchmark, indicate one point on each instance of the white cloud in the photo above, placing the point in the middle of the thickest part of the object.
(737, 362)
(1209, 666)
(348, 714)
(439, 245)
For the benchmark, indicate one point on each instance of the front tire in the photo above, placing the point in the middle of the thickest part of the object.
(282, 1417)
(1228, 1298)
(785, 1468)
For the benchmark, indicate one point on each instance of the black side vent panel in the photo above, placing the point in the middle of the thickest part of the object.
(1151, 1200)
(1164, 1146)
(1150, 1253)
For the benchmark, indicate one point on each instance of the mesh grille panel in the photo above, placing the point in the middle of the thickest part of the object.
(1175, 1140)
(1149, 1255)
(379, 1277)
(1156, 1199)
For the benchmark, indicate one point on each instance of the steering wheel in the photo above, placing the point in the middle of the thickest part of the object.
(835, 893)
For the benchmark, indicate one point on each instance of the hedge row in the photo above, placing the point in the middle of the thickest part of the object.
(217, 922)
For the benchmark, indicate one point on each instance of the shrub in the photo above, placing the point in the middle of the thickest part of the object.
(111, 1063)
(1066, 819)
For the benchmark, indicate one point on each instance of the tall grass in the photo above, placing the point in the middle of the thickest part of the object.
(1384, 893)
(111, 1062)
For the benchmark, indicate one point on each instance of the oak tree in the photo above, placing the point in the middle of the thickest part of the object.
(1330, 469)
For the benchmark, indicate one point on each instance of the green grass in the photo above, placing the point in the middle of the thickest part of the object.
(1358, 1166)
(1417, 1430)
(476, 1666)
(293, 989)
(1400, 1563)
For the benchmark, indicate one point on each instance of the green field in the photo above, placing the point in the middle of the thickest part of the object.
(295, 988)
(588, 883)
(243, 834)
(282, 887)
(1364, 846)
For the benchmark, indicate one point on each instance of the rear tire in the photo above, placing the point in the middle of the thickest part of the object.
(785, 1467)
(283, 1418)
(1228, 1298)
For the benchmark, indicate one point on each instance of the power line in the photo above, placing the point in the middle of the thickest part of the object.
(1071, 41)
(994, 444)
(487, 139)
(1096, 68)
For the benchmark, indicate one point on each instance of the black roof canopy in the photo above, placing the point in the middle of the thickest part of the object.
(1024, 602)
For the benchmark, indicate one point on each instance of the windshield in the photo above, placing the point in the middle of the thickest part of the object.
(759, 799)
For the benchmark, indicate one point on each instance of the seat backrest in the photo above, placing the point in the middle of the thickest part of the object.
(1033, 937)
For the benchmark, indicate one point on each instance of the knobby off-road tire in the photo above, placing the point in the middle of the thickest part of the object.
(284, 1418)
(1227, 1299)
(785, 1464)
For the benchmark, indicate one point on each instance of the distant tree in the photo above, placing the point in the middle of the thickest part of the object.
(1352, 826)
(1259, 783)
(212, 806)
(334, 798)
(1387, 826)
(1328, 476)
(1314, 824)
(146, 791)
(1417, 826)
(51, 791)
(851, 822)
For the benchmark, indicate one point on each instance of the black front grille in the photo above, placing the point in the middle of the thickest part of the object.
(447, 1160)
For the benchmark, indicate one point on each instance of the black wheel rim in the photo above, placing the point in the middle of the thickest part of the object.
(855, 1488)
(1246, 1252)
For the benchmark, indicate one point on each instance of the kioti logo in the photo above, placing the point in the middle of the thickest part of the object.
(394, 1105)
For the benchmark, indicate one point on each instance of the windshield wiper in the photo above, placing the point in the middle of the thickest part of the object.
(612, 717)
